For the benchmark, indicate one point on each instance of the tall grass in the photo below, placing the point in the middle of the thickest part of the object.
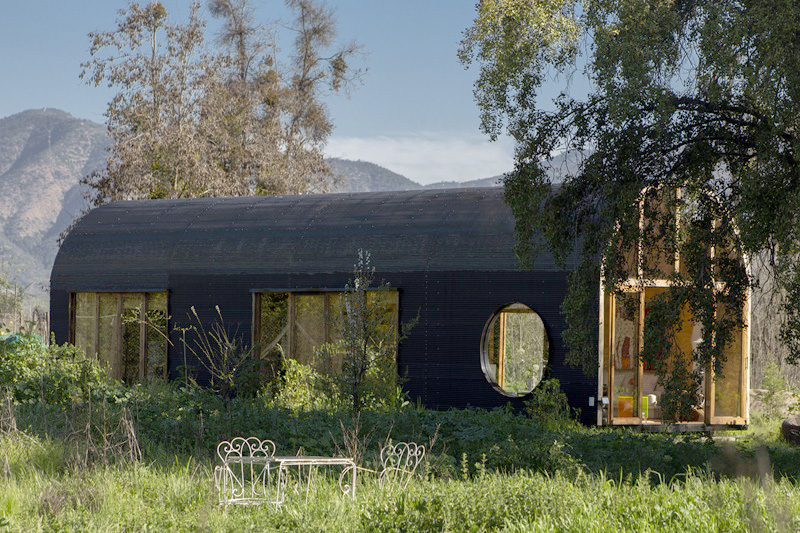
(81, 453)
(178, 497)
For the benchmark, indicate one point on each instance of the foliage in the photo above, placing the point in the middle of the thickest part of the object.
(548, 404)
(223, 353)
(56, 374)
(697, 97)
(302, 388)
(194, 120)
(364, 360)
(774, 386)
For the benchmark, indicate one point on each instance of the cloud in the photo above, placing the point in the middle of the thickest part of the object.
(428, 157)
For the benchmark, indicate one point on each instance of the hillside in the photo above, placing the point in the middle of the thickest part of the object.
(43, 154)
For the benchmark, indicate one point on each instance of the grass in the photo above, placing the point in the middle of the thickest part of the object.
(489, 471)
(145, 497)
(68, 462)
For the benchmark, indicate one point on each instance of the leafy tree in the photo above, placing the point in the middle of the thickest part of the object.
(158, 69)
(194, 120)
(268, 123)
(700, 96)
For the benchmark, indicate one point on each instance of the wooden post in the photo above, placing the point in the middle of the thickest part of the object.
(143, 338)
(637, 401)
(117, 368)
(255, 326)
(612, 354)
(290, 321)
(96, 344)
(501, 352)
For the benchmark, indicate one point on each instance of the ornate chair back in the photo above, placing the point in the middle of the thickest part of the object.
(399, 462)
(247, 475)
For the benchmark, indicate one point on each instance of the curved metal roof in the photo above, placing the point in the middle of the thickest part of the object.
(469, 229)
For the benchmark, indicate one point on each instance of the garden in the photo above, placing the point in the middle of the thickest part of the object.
(81, 451)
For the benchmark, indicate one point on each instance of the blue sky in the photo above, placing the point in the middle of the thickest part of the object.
(414, 113)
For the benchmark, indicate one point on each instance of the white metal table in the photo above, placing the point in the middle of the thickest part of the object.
(349, 470)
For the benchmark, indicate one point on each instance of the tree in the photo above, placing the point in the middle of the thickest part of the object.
(700, 96)
(270, 124)
(152, 120)
(190, 120)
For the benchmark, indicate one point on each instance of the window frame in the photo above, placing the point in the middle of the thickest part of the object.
(255, 327)
(484, 355)
(115, 367)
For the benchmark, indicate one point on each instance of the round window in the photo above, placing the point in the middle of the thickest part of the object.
(514, 349)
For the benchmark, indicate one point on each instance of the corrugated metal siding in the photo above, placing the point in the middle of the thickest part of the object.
(215, 252)
(459, 229)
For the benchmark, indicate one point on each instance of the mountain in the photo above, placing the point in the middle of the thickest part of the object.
(43, 155)
(363, 176)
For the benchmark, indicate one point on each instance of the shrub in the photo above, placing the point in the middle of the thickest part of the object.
(302, 388)
(55, 374)
(548, 404)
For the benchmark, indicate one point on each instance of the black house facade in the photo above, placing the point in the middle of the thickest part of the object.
(446, 255)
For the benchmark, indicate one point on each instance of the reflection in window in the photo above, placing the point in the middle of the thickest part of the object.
(125, 331)
(515, 349)
(296, 324)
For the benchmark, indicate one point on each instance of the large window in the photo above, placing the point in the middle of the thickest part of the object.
(126, 331)
(296, 324)
(515, 349)
(643, 382)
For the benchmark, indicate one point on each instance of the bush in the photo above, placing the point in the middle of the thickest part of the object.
(55, 374)
(548, 404)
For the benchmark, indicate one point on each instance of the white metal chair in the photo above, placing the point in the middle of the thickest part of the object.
(247, 475)
(399, 462)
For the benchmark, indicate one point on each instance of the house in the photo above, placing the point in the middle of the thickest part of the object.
(129, 273)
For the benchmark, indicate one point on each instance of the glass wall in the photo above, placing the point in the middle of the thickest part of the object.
(659, 383)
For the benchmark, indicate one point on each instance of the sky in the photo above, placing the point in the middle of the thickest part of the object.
(414, 112)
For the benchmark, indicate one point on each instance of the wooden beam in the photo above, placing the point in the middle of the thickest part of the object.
(501, 351)
(612, 355)
(116, 366)
(255, 325)
(290, 320)
(96, 343)
(143, 337)
(637, 401)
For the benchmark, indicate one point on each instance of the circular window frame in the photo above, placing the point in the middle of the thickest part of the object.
(484, 356)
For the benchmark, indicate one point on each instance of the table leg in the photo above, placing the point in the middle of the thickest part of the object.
(353, 491)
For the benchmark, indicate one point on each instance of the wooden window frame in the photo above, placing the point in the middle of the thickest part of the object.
(255, 327)
(115, 358)
(640, 284)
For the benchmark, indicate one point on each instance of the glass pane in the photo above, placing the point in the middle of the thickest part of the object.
(383, 311)
(651, 389)
(658, 242)
(336, 317)
(625, 351)
(108, 344)
(728, 383)
(516, 349)
(273, 329)
(309, 325)
(156, 336)
(131, 336)
(85, 311)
